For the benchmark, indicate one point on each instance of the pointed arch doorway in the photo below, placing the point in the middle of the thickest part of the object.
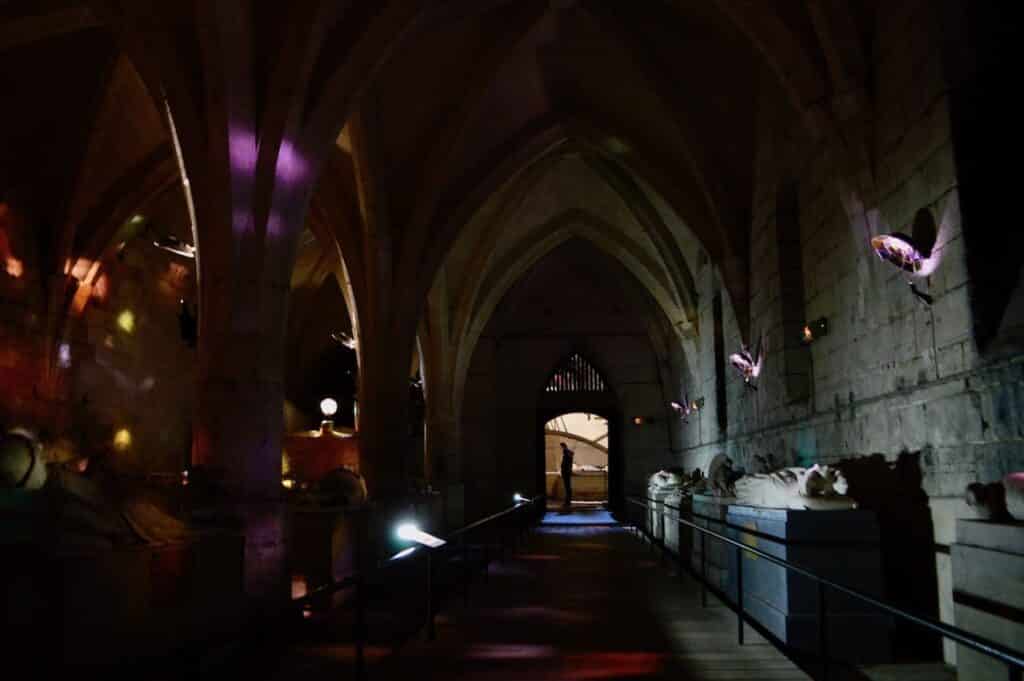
(577, 385)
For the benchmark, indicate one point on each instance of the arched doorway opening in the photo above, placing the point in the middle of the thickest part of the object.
(577, 406)
(586, 435)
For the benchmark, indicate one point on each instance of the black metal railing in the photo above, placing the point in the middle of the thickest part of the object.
(468, 549)
(1011, 658)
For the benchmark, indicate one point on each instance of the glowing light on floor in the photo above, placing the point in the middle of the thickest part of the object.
(122, 439)
(500, 651)
(126, 321)
(619, 665)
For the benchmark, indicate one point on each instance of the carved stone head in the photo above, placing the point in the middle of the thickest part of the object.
(824, 481)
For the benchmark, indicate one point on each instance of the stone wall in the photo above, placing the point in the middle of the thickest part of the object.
(551, 313)
(893, 376)
(119, 362)
(584, 454)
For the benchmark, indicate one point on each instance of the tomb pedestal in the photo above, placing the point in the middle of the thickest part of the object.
(842, 546)
(656, 512)
(709, 512)
(677, 537)
(988, 591)
(99, 609)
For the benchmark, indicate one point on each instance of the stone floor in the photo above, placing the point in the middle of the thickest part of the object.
(578, 603)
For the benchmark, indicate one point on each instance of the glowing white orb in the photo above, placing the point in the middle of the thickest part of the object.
(328, 407)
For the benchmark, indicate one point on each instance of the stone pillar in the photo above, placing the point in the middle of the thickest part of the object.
(384, 416)
(248, 172)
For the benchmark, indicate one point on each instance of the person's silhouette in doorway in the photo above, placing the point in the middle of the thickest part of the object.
(567, 455)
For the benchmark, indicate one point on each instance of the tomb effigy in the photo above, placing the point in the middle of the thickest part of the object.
(988, 568)
(103, 561)
(662, 484)
(815, 488)
(668, 491)
(804, 516)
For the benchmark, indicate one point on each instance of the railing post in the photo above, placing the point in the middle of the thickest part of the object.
(431, 630)
(360, 625)
(467, 574)
(703, 570)
(823, 631)
(739, 594)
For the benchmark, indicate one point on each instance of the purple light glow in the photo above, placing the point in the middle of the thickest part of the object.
(241, 221)
(243, 150)
(291, 166)
(64, 356)
(275, 226)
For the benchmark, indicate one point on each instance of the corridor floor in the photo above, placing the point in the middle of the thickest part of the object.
(583, 603)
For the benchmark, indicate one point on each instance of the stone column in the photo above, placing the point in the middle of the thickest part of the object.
(248, 170)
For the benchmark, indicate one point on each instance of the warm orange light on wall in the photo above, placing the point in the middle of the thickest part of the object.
(14, 267)
(81, 299)
(80, 270)
(101, 288)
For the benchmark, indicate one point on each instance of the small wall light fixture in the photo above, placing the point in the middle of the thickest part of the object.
(643, 420)
(814, 330)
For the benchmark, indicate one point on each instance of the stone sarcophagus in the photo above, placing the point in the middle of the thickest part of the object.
(677, 537)
(710, 512)
(988, 591)
(840, 545)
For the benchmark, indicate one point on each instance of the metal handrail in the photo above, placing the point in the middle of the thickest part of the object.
(1011, 658)
(359, 579)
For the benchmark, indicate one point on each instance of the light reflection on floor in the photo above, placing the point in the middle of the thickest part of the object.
(579, 516)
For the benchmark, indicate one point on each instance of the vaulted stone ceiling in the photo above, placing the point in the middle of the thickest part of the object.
(470, 95)
(430, 127)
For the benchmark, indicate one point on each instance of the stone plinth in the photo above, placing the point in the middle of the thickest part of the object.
(988, 591)
(709, 512)
(655, 512)
(322, 543)
(677, 537)
(97, 609)
(842, 546)
(310, 455)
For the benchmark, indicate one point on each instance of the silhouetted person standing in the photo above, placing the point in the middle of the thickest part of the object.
(567, 455)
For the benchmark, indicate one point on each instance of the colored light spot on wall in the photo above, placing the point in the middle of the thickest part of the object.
(122, 439)
(14, 267)
(101, 288)
(80, 269)
(81, 299)
(126, 321)
(64, 356)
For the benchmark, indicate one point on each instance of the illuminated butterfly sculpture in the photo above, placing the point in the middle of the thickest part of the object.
(749, 365)
(684, 410)
(344, 339)
(901, 251)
